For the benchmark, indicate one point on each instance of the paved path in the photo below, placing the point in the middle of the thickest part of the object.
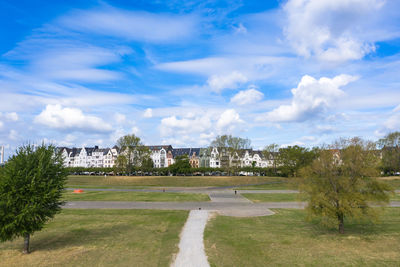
(191, 246)
(202, 190)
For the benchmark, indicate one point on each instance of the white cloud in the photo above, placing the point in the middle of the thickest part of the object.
(119, 118)
(247, 97)
(132, 25)
(13, 135)
(135, 130)
(218, 83)
(311, 98)
(1, 124)
(202, 127)
(330, 30)
(393, 122)
(175, 126)
(12, 116)
(148, 113)
(295, 143)
(240, 29)
(55, 116)
(228, 120)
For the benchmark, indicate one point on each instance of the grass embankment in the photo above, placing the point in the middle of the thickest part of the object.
(133, 196)
(101, 238)
(286, 239)
(82, 181)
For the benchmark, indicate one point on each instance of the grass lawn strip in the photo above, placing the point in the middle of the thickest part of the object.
(166, 181)
(101, 238)
(286, 239)
(134, 196)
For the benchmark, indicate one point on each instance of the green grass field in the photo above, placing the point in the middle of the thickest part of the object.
(288, 197)
(393, 181)
(272, 197)
(286, 239)
(133, 196)
(101, 238)
(83, 181)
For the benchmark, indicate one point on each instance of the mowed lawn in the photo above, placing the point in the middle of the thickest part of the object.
(133, 196)
(393, 181)
(286, 239)
(101, 238)
(85, 181)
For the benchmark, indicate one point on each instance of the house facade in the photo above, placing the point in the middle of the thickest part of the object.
(165, 155)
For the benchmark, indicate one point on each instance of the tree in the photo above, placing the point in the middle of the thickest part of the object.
(132, 152)
(31, 186)
(181, 165)
(340, 183)
(390, 146)
(229, 141)
(292, 158)
(270, 152)
(230, 147)
(147, 164)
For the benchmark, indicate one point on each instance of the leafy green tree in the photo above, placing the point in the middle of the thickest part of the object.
(31, 186)
(229, 149)
(147, 164)
(270, 152)
(180, 166)
(340, 183)
(292, 158)
(132, 152)
(390, 146)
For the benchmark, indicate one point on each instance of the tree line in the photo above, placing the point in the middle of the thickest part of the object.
(286, 162)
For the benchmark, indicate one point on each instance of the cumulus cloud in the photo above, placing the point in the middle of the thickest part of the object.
(246, 97)
(217, 83)
(228, 120)
(329, 30)
(148, 113)
(311, 98)
(200, 127)
(57, 117)
(173, 125)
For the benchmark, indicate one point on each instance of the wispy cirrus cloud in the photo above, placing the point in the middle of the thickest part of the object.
(132, 25)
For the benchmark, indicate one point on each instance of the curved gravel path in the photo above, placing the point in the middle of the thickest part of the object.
(191, 246)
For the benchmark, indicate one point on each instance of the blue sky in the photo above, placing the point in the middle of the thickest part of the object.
(291, 72)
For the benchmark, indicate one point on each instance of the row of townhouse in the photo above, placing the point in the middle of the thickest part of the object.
(165, 155)
(89, 156)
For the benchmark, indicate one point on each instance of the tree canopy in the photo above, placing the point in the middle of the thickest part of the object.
(341, 183)
(229, 141)
(390, 146)
(132, 153)
(31, 186)
(180, 166)
(290, 159)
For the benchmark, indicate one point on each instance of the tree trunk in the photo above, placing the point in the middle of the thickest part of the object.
(341, 223)
(26, 244)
